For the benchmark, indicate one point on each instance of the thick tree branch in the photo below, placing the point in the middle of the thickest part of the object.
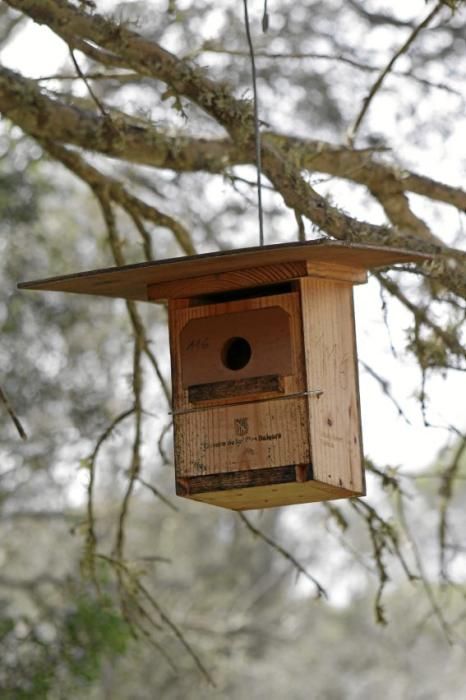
(140, 54)
(119, 136)
(283, 159)
(236, 116)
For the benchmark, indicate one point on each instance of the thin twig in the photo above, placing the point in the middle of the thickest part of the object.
(176, 631)
(99, 104)
(386, 388)
(209, 47)
(422, 318)
(158, 647)
(114, 190)
(284, 553)
(162, 452)
(136, 321)
(12, 414)
(136, 583)
(435, 607)
(375, 87)
(157, 493)
(91, 538)
(236, 178)
(146, 239)
(137, 626)
(89, 76)
(135, 464)
(140, 333)
(387, 529)
(449, 477)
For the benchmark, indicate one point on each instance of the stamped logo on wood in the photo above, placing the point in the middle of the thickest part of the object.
(241, 426)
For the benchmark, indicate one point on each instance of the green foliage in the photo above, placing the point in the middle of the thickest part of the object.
(18, 198)
(33, 666)
(453, 4)
(92, 630)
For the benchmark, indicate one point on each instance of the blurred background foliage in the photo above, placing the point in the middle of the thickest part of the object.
(66, 366)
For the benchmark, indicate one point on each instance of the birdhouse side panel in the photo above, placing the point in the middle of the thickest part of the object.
(330, 348)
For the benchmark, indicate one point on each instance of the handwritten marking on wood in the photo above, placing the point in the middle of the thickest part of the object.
(197, 344)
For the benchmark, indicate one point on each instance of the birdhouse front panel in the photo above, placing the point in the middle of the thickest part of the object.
(238, 382)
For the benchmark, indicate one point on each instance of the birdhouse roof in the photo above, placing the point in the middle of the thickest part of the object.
(133, 281)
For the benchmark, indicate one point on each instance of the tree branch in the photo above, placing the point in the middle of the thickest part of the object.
(284, 553)
(236, 116)
(376, 86)
(16, 421)
(121, 136)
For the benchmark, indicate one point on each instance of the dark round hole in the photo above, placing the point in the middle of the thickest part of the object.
(236, 353)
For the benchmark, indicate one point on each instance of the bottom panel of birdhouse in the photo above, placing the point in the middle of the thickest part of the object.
(261, 488)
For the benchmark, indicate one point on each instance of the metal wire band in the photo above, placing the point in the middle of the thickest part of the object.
(312, 392)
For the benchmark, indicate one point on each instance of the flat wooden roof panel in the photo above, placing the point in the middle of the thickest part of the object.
(131, 281)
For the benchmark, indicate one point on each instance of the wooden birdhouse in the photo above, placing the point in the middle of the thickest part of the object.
(264, 366)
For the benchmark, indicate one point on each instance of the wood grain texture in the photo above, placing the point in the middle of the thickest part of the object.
(257, 435)
(180, 314)
(329, 341)
(194, 485)
(337, 271)
(255, 450)
(268, 385)
(204, 345)
(230, 434)
(227, 281)
(255, 277)
(132, 281)
(272, 495)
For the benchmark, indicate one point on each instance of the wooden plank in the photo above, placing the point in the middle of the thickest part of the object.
(132, 281)
(194, 485)
(329, 340)
(273, 495)
(254, 277)
(244, 437)
(336, 271)
(269, 385)
(227, 281)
